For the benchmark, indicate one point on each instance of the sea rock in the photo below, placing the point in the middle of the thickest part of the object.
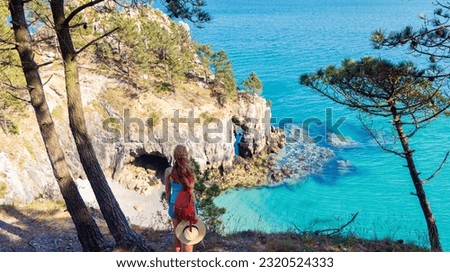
(300, 158)
(344, 166)
(340, 141)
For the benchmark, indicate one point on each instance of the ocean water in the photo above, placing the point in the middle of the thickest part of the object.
(282, 39)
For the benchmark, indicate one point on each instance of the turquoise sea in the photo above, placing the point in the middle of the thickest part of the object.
(281, 39)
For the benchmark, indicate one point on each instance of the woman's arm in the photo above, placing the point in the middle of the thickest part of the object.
(167, 183)
(191, 184)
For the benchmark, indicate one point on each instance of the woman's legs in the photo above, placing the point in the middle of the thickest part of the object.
(177, 243)
(188, 248)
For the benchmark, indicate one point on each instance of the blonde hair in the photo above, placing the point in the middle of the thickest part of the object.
(182, 166)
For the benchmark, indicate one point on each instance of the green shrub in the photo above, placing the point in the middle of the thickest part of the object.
(3, 188)
(208, 210)
(153, 119)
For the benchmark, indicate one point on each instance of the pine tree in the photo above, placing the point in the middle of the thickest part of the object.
(252, 84)
(224, 85)
(69, 20)
(123, 234)
(192, 10)
(89, 234)
(398, 92)
(205, 54)
(146, 46)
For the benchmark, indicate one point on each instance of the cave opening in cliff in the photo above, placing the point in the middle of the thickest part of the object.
(154, 161)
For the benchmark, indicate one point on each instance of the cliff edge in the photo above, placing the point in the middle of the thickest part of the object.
(136, 117)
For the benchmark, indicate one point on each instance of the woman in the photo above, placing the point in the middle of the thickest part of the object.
(174, 178)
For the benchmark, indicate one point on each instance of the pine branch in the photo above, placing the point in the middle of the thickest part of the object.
(439, 3)
(429, 118)
(13, 95)
(334, 231)
(45, 64)
(7, 63)
(48, 80)
(43, 40)
(96, 39)
(416, 126)
(7, 49)
(18, 98)
(31, 23)
(80, 9)
(77, 25)
(438, 170)
(382, 146)
(8, 42)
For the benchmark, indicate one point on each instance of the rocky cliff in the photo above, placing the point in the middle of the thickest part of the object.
(136, 111)
(134, 134)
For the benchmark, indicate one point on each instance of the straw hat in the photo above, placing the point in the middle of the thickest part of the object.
(188, 237)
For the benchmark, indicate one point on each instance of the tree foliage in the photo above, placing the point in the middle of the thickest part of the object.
(224, 84)
(371, 84)
(192, 10)
(9, 60)
(432, 40)
(205, 195)
(253, 84)
(144, 45)
(205, 54)
(12, 92)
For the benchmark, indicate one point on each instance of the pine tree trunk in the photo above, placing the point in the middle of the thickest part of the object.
(89, 235)
(114, 217)
(433, 234)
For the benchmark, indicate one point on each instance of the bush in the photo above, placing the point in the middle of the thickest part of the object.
(208, 210)
(3, 188)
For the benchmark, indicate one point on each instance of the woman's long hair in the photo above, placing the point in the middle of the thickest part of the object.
(182, 168)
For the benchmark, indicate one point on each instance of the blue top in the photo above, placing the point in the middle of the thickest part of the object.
(176, 187)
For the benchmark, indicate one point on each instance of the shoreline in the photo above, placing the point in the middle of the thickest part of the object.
(292, 163)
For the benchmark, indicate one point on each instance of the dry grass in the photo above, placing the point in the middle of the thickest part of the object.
(37, 227)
